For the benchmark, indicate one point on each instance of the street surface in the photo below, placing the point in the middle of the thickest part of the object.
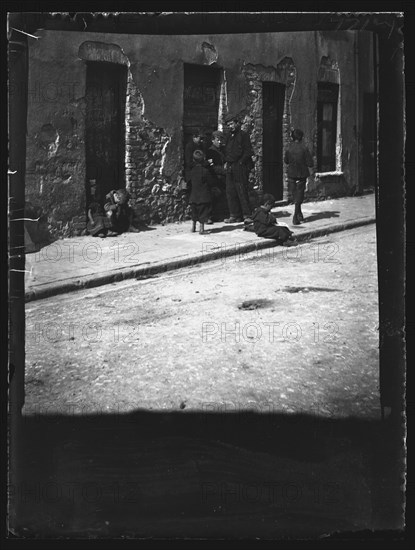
(281, 330)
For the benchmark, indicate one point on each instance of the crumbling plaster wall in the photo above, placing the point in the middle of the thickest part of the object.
(154, 140)
(55, 159)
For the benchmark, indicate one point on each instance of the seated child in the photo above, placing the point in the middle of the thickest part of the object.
(119, 212)
(200, 196)
(265, 223)
(98, 224)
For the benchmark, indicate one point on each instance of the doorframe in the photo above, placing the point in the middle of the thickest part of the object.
(121, 125)
(334, 101)
(94, 51)
(280, 128)
(221, 84)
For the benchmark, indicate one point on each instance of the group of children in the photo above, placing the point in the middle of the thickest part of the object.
(116, 215)
(263, 222)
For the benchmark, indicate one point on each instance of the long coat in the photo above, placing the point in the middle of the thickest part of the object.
(201, 184)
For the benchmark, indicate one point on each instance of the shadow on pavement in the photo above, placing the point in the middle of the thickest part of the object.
(222, 228)
(294, 289)
(205, 474)
(144, 228)
(322, 215)
(282, 213)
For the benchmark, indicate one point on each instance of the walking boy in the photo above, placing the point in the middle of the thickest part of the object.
(300, 167)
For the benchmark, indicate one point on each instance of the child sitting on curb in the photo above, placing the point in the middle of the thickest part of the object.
(98, 224)
(119, 212)
(265, 224)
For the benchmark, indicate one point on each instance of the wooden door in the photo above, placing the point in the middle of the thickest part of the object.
(200, 101)
(105, 125)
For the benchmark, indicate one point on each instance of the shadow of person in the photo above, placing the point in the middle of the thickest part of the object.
(322, 215)
(282, 213)
(223, 228)
(142, 227)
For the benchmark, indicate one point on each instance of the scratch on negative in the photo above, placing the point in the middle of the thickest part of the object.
(25, 219)
(31, 35)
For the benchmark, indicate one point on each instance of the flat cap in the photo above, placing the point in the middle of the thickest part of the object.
(230, 117)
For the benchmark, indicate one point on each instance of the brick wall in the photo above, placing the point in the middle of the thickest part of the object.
(155, 198)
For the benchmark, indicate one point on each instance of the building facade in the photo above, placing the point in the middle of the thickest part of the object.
(119, 108)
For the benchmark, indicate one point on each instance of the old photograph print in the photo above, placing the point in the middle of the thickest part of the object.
(206, 275)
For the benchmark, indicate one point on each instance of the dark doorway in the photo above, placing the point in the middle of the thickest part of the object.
(273, 98)
(369, 140)
(106, 85)
(327, 126)
(201, 97)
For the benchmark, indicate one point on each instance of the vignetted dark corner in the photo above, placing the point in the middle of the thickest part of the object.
(100, 98)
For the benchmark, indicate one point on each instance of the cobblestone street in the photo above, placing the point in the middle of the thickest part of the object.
(279, 330)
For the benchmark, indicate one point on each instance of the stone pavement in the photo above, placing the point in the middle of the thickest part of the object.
(84, 262)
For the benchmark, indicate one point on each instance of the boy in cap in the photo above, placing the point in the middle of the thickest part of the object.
(238, 158)
(300, 167)
(200, 196)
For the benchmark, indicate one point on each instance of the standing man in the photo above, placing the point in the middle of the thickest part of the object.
(238, 161)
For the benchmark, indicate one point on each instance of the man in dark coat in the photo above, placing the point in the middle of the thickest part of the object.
(238, 157)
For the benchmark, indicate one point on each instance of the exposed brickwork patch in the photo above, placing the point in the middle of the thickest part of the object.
(155, 198)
